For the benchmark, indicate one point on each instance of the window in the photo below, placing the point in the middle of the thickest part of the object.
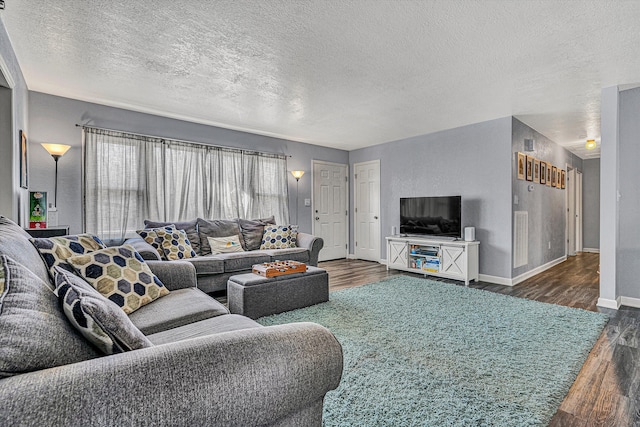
(130, 178)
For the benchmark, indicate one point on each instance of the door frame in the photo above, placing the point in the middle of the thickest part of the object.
(575, 221)
(315, 162)
(355, 199)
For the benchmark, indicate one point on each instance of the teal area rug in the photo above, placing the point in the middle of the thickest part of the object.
(424, 353)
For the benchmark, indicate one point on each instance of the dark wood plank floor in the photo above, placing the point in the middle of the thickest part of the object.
(607, 390)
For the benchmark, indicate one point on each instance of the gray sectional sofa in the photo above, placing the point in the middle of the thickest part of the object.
(213, 271)
(206, 366)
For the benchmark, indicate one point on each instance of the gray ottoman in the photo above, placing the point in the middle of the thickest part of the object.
(256, 296)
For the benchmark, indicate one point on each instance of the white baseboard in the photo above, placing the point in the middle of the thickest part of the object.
(609, 303)
(382, 261)
(591, 250)
(629, 302)
(521, 278)
(351, 256)
(495, 279)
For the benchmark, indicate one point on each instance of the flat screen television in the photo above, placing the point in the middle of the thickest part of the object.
(431, 216)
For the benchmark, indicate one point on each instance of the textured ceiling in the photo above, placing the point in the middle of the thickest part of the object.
(338, 73)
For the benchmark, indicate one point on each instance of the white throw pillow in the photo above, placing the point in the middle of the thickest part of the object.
(224, 245)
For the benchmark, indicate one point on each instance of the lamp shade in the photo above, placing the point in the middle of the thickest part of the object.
(56, 149)
(297, 174)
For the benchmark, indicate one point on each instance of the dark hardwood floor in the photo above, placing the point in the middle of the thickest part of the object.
(607, 389)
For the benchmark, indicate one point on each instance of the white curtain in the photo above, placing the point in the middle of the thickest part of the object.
(130, 178)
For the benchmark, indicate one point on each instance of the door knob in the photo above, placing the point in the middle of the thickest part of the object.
(317, 218)
(375, 217)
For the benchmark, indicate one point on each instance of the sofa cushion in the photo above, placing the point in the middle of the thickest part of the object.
(252, 230)
(190, 227)
(56, 250)
(171, 243)
(120, 274)
(225, 245)
(279, 237)
(215, 228)
(14, 243)
(289, 254)
(215, 325)
(99, 320)
(34, 333)
(240, 261)
(180, 307)
(207, 265)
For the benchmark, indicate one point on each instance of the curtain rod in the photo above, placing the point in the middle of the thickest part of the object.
(182, 140)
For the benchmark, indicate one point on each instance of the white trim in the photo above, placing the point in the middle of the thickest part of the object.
(351, 256)
(521, 278)
(7, 73)
(629, 302)
(382, 261)
(495, 279)
(538, 270)
(591, 250)
(609, 303)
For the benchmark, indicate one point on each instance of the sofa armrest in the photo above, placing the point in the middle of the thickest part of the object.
(175, 274)
(248, 377)
(313, 243)
(147, 251)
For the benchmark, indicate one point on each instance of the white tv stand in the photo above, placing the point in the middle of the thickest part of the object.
(452, 259)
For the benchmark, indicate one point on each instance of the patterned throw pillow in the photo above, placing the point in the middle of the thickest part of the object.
(224, 245)
(56, 250)
(99, 320)
(279, 237)
(120, 274)
(170, 242)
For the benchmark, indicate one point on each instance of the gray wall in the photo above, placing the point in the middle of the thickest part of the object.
(52, 119)
(12, 197)
(472, 161)
(591, 204)
(628, 249)
(545, 205)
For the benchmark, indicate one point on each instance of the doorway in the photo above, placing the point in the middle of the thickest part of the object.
(367, 210)
(330, 212)
(574, 211)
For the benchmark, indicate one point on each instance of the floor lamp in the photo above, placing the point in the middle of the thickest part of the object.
(297, 175)
(56, 151)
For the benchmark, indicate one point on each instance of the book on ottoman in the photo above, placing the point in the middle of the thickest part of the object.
(279, 268)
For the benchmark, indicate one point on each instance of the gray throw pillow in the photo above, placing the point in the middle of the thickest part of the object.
(215, 228)
(189, 227)
(99, 320)
(34, 333)
(252, 230)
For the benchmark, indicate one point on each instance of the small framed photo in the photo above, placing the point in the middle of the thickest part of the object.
(529, 172)
(554, 176)
(563, 177)
(543, 173)
(520, 165)
(536, 171)
(548, 175)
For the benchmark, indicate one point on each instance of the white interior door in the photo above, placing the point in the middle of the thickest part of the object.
(330, 213)
(578, 211)
(571, 212)
(367, 210)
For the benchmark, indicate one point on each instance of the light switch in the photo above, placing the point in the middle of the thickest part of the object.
(307, 202)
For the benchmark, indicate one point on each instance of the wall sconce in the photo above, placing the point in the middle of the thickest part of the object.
(528, 145)
(56, 151)
(297, 175)
(591, 144)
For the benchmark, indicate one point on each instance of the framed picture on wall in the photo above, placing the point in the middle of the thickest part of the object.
(24, 164)
(563, 177)
(548, 174)
(543, 172)
(536, 171)
(554, 176)
(520, 165)
(529, 172)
